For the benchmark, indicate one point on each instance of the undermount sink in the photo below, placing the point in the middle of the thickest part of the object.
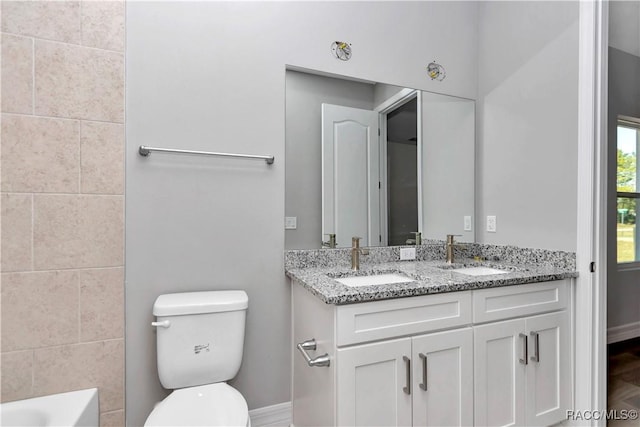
(374, 279)
(479, 271)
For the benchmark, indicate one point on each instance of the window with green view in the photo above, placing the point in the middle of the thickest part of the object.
(628, 235)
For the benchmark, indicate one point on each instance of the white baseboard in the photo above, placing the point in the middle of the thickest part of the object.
(274, 415)
(623, 332)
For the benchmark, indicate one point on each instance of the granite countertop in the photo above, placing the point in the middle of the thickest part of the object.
(429, 277)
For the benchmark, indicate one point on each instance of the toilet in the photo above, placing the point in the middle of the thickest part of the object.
(200, 339)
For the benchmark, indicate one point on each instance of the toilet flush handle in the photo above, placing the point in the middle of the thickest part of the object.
(163, 324)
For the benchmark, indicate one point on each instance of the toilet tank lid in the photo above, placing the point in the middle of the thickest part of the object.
(200, 302)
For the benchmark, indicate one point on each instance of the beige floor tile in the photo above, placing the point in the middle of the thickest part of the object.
(622, 363)
(621, 415)
(620, 390)
(623, 423)
(634, 401)
(631, 376)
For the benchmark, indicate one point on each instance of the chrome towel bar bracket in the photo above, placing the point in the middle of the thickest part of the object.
(322, 360)
(144, 151)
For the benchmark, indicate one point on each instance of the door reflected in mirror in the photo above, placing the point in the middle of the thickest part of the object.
(375, 161)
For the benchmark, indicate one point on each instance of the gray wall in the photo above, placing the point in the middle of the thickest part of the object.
(624, 26)
(528, 123)
(305, 94)
(382, 92)
(623, 292)
(211, 76)
(448, 170)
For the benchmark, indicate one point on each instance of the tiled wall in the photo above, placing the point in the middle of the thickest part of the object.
(62, 183)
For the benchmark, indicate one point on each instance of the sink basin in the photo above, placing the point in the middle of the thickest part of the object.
(374, 279)
(479, 271)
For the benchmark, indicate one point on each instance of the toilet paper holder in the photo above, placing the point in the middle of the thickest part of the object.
(319, 361)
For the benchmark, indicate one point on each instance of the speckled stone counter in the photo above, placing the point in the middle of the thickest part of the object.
(316, 270)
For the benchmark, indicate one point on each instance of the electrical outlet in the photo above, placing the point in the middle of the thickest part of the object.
(491, 223)
(407, 254)
(467, 223)
(290, 222)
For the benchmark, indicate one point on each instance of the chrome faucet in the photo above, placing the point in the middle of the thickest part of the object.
(356, 250)
(331, 243)
(450, 246)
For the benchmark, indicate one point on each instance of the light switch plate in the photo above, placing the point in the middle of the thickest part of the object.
(290, 222)
(491, 223)
(467, 223)
(407, 254)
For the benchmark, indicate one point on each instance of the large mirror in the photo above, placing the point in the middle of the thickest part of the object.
(376, 161)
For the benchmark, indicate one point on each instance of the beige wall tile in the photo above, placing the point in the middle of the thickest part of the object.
(78, 82)
(74, 367)
(102, 158)
(39, 309)
(103, 24)
(17, 74)
(17, 232)
(53, 20)
(49, 311)
(16, 371)
(78, 231)
(101, 304)
(40, 154)
(112, 419)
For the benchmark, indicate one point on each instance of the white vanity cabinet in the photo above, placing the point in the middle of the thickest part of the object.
(436, 360)
(370, 382)
(522, 371)
(443, 378)
(425, 380)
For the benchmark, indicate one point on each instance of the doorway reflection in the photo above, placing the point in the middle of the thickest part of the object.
(402, 173)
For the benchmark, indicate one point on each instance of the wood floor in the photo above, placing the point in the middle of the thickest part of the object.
(624, 380)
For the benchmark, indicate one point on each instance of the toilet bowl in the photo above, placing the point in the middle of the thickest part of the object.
(200, 340)
(208, 405)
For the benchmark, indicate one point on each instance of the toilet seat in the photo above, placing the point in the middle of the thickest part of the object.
(216, 404)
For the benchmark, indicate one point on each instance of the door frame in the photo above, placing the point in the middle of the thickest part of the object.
(590, 375)
(389, 105)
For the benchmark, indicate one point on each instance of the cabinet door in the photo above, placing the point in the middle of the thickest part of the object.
(443, 379)
(549, 369)
(372, 388)
(499, 373)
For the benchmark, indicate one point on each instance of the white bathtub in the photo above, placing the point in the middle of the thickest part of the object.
(76, 408)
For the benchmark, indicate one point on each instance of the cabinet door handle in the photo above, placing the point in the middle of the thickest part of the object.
(536, 347)
(424, 371)
(407, 388)
(525, 349)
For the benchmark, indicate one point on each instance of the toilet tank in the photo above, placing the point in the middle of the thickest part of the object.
(200, 337)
